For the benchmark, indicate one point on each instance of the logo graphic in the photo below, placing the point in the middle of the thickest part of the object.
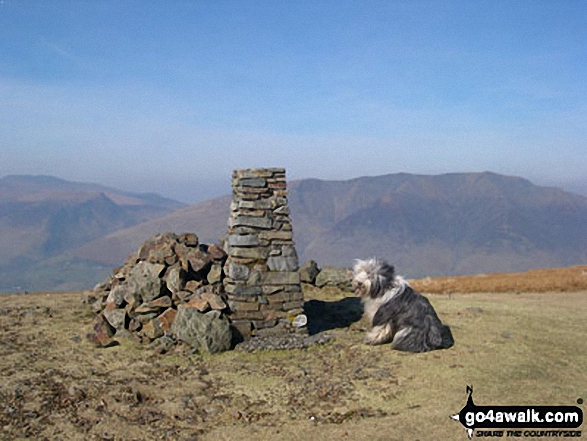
(509, 418)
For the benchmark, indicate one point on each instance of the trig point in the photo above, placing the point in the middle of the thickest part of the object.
(262, 280)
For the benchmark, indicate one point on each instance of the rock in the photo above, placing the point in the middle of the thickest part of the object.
(167, 318)
(198, 259)
(144, 281)
(198, 303)
(282, 263)
(281, 278)
(236, 271)
(188, 239)
(215, 301)
(116, 296)
(116, 318)
(208, 332)
(103, 333)
(152, 329)
(309, 271)
(163, 345)
(175, 278)
(215, 274)
(333, 276)
(216, 253)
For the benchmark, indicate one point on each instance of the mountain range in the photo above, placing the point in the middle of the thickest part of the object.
(459, 223)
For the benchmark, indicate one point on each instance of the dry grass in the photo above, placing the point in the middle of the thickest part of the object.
(514, 348)
(567, 279)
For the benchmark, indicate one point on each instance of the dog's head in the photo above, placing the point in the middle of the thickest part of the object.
(372, 277)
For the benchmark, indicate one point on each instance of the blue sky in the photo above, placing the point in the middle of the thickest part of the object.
(171, 96)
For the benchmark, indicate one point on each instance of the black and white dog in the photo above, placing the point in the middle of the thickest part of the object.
(397, 313)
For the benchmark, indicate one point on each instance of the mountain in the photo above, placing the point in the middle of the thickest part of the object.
(42, 217)
(461, 223)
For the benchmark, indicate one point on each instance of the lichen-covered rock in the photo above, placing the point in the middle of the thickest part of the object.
(334, 276)
(208, 332)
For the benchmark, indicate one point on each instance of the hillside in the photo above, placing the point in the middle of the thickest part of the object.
(426, 225)
(453, 224)
(42, 217)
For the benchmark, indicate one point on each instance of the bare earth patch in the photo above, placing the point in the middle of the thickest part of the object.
(513, 348)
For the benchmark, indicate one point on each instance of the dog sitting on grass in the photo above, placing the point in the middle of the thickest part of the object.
(397, 313)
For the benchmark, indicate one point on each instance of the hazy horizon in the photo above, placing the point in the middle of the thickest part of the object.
(171, 97)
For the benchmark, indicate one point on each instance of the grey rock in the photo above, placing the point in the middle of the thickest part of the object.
(251, 221)
(175, 278)
(282, 263)
(144, 281)
(116, 296)
(238, 240)
(253, 182)
(236, 271)
(333, 276)
(281, 278)
(208, 332)
(116, 317)
(309, 271)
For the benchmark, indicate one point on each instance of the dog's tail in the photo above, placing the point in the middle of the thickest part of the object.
(447, 338)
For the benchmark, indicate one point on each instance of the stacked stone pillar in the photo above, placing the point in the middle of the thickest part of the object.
(262, 280)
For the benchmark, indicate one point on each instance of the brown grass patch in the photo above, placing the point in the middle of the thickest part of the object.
(569, 279)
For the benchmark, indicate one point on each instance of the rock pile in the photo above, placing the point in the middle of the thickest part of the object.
(170, 290)
(262, 280)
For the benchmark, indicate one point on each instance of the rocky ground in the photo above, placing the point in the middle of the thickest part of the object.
(514, 348)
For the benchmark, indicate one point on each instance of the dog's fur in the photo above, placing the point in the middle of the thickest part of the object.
(397, 313)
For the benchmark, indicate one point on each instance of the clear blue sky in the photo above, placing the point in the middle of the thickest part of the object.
(170, 96)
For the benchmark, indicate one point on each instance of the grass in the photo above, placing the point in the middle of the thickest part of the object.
(514, 348)
(567, 279)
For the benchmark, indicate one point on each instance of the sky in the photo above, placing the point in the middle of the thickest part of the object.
(170, 97)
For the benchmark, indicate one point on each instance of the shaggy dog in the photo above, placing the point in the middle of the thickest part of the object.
(397, 313)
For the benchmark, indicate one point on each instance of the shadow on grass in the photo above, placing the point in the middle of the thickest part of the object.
(323, 316)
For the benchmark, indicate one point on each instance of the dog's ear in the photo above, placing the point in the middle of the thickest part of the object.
(349, 273)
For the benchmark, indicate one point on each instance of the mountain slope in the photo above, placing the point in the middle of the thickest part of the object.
(462, 223)
(43, 216)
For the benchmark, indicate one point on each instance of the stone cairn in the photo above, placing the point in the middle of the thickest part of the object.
(261, 281)
(170, 290)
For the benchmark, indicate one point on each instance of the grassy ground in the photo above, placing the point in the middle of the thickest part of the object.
(526, 348)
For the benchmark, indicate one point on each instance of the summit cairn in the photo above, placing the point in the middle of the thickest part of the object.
(261, 281)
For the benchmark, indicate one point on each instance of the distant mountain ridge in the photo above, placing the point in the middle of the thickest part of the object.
(458, 223)
(42, 217)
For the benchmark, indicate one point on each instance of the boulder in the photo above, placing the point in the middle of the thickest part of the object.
(208, 332)
(334, 277)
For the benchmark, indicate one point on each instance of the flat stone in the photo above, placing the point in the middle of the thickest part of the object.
(198, 259)
(162, 302)
(243, 291)
(261, 204)
(282, 263)
(276, 235)
(281, 278)
(253, 182)
(251, 253)
(251, 221)
(237, 240)
(215, 301)
(200, 304)
(333, 276)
